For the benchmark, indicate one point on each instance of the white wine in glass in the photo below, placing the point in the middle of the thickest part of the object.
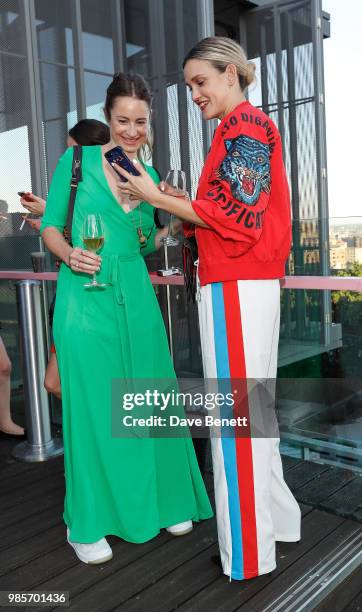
(177, 180)
(93, 238)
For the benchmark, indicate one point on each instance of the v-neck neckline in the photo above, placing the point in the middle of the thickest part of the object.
(104, 176)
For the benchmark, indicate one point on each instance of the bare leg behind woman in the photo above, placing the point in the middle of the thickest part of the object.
(7, 425)
(52, 380)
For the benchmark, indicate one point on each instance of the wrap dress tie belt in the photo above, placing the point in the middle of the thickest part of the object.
(112, 273)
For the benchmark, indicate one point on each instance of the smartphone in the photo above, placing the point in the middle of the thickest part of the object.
(169, 271)
(118, 156)
(23, 195)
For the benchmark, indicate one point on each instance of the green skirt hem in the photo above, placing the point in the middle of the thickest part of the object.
(118, 534)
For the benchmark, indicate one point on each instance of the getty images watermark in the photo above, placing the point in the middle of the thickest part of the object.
(166, 402)
(198, 407)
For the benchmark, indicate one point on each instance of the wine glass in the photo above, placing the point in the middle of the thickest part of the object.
(93, 238)
(177, 180)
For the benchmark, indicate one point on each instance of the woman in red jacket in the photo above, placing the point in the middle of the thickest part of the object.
(243, 233)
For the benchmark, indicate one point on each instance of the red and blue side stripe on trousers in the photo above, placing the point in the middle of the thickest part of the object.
(236, 450)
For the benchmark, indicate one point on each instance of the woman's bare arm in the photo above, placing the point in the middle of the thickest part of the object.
(77, 259)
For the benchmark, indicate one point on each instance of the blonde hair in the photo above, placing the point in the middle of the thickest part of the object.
(220, 52)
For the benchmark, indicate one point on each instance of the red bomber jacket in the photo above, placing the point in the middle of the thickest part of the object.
(243, 196)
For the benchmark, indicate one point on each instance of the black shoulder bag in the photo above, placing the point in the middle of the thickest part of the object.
(76, 177)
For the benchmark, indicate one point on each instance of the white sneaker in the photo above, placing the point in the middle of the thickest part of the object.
(96, 552)
(180, 529)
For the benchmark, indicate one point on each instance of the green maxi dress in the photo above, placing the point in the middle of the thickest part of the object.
(130, 487)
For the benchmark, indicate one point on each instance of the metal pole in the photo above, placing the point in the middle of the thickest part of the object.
(264, 68)
(38, 174)
(79, 59)
(119, 35)
(161, 155)
(39, 183)
(294, 184)
(40, 445)
(321, 158)
(206, 27)
(279, 74)
(182, 94)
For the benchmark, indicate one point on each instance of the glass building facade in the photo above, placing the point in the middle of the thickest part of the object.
(56, 60)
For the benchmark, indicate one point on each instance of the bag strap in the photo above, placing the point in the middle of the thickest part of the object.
(76, 177)
(156, 214)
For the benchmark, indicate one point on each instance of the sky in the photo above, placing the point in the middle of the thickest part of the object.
(343, 86)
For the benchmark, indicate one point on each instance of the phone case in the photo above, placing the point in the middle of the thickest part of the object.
(118, 156)
(22, 195)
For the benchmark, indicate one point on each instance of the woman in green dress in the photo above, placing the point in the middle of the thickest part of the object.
(130, 487)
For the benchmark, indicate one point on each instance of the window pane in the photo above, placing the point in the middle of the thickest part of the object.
(137, 36)
(54, 31)
(97, 35)
(14, 145)
(180, 31)
(11, 27)
(59, 110)
(14, 135)
(95, 94)
(170, 17)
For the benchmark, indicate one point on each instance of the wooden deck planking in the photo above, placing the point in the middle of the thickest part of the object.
(346, 597)
(324, 485)
(227, 596)
(305, 564)
(303, 473)
(162, 574)
(347, 500)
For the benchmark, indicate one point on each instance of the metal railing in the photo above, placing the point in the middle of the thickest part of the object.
(40, 445)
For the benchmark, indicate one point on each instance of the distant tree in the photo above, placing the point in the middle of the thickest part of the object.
(348, 296)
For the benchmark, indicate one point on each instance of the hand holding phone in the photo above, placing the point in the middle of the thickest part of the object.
(33, 203)
(26, 195)
(118, 156)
